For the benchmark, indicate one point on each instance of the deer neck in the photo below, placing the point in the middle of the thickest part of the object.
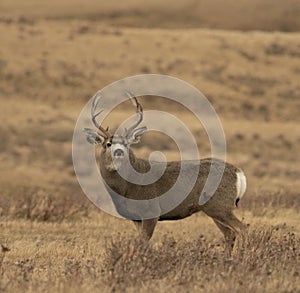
(112, 177)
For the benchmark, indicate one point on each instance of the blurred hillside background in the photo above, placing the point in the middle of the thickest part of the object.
(268, 15)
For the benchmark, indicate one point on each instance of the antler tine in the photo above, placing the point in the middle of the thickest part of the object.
(94, 115)
(139, 111)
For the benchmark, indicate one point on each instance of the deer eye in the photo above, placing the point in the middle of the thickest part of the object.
(108, 144)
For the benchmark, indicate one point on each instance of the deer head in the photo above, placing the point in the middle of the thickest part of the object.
(115, 147)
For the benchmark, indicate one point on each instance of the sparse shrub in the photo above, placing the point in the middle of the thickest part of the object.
(261, 253)
(271, 201)
(36, 204)
(264, 259)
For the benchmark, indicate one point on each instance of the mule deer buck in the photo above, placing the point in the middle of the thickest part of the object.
(219, 207)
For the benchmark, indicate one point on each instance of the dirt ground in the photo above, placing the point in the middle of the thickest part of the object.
(54, 57)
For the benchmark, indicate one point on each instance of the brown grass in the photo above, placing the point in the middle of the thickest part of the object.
(36, 204)
(199, 265)
(265, 255)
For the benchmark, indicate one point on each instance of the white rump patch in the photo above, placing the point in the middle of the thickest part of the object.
(241, 184)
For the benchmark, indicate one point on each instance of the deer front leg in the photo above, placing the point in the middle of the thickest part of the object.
(146, 228)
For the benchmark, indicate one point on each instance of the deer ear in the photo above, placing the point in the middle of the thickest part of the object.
(93, 137)
(136, 135)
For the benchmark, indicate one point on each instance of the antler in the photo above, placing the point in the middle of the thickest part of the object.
(95, 114)
(139, 111)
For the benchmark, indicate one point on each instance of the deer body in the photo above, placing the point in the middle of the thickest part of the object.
(116, 153)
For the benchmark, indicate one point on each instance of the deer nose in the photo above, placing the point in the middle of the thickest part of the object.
(118, 153)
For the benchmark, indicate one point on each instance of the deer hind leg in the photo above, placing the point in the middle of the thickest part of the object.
(230, 226)
(146, 228)
(229, 235)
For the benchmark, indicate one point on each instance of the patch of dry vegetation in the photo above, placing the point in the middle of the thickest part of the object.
(263, 256)
(42, 205)
(266, 260)
(36, 204)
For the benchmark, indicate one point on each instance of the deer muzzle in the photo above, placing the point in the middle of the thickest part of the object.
(118, 153)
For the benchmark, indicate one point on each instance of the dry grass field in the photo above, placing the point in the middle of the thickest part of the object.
(244, 57)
